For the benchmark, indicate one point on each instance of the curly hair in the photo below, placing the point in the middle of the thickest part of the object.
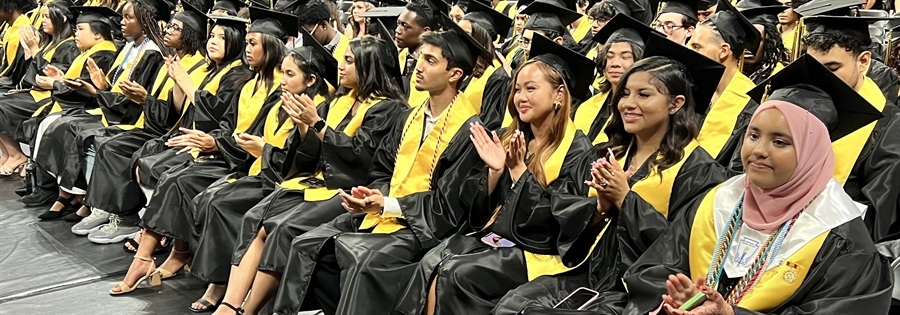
(149, 26)
(826, 41)
(313, 14)
(774, 53)
(602, 11)
(191, 40)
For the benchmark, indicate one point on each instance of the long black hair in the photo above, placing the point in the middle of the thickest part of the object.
(670, 78)
(483, 37)
(149, 26)
(62, 22)
(308, 70)
(774, 52)
(105, 31)
(234, 46)
(191, 40)
(636, 51)
(373, 59)
(273, 53)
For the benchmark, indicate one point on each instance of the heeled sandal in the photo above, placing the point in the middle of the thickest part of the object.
(6, 172)
(152, 276)
(169, 274)
(237, 310)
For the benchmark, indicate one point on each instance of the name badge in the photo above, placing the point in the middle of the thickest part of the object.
(747, 248)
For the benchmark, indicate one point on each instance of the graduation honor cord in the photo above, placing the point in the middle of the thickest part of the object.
(762, 259)
(129, 58)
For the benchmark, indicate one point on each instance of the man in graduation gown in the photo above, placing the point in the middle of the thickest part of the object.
(314, 16)
(12, 60)
(723, 38)
(601, 13)
(825, 263)
(677, 19)
(415, 198)
(418, 17)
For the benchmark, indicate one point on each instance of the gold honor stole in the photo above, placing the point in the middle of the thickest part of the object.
(583, 29)
(775, 285)
(36, 17)
(11, 41)
(722, 115)
(336, 114)
(507, 8)
(275, 135)
(75, 71)
(588, 112)
(194, 64)
(416, 97)
(414, 162)
(252, 100)
(789, 39)
(212, 87)
(475, 91)
(124, 75)
(46, 53)
(848, 148)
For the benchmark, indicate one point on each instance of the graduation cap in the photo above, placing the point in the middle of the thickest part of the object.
(231, 6)
(234, 21)
(627, 7)
(273, 23)
(705, 73)
(494, 22)
(192, 17)
(571, 65)
(760, 11)
(808, 84)
(320, 57)
(206, 5)
(385, 17)
(623, 28)
(65, 6)
(687, 8)
(160, 10)
(523, 3)
(434, 9)
(856, 27)
(259, 4)
(464, 49)
(735, 29)
(828, 7)
(551, 15)
(98, 14)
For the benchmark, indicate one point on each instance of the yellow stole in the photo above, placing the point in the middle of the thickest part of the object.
(790, 39)
(778, 67)
(11, 41)
(583, 29)
(76, 68)
(252, 100)
(588, 111)
(507, 8)
(475, 91)
(212, 87)
(592, 53)
(339, 110)
(416, 97)
(848, 148)
(772, 288)
(46, 53)
(195, 66)
(722, 115)
(123, 75)
(275, 135)
(415, 159)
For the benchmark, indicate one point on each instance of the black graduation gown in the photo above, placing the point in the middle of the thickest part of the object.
(14, 70)
(378, 266)
(230, 208)
(62, 148)
(170, 210)
(886, 78)
(846, 275)
(470, 276)
(15, 109)
(493, 101)
(875, 178)
(637, 225)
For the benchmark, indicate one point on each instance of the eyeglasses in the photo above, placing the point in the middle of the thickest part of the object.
(173, 27)
(525, 42)
(667, 28)
(596, 20)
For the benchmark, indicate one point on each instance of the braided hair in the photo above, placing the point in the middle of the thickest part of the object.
(774, 53)
(150, 26)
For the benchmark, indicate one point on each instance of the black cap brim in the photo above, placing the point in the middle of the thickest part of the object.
(273, 23)
(262, 4)
(234, 21)
(705, 73)
(98, 14)
(828, 7)
(192, 17)
(687, 8)
(735, 28)
(769, 14)
(463, 47)
(331, 64)
(231, 6)
(493, 21)
(575, 68)
(565, 15)
(853, 111)
(623, 28)
(856, 27)
(161, 10)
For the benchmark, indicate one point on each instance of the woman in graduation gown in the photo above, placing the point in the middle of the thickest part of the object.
(420, 168)
(185, 35)
(316, 165)
(783, 238)
(519, 231)
(488, 87)
(55, 48)
(636, 203)
(771, 56)
(170, 210)
(61, 150)
(13, 21)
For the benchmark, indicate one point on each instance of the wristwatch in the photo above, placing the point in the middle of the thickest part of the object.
(319, 125)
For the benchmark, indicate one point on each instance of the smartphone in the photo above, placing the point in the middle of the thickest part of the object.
(695, 301)
(579, 299)
(495, 241)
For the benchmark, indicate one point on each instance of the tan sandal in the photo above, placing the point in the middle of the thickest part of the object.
(165, 274)
(152, 275)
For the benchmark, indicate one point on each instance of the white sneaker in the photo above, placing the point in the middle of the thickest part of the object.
(91, 223)
(113, 232)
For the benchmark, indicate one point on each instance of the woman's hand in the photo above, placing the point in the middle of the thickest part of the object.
(515, 155)
(175, 71)
(680, 289)
(97, 76)
(44, 82)
(82, 86)
(307, 109)
(613, 181)
(30, 40)
(250, 143)
(489, 148)
(604, 205)
(292, 107)
(714, 305)
(133, 91)
(193, 140)
(53, 72)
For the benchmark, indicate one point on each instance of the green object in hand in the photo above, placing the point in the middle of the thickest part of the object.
(695, 301)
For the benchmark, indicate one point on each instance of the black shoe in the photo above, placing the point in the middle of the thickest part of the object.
(73, 217)
(24, 191)
(69, 208)
(40, 197)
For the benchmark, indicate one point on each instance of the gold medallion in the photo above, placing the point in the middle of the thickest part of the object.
(789, 276)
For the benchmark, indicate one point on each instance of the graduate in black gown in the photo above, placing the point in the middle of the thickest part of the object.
(14, 20)
(784, 238)
(414, 199)
(490, 83)
(318, 163)
(52, 49)
(640, 189)
(170, 209)
(61, 151)
(771, 56)
(114, 146)
(518, 229)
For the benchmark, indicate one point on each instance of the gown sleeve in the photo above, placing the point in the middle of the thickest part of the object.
(210, 109)
(237, 158)
(386, 155)
(300, 155)
(880, 180)
(69, 98)
(493, 101)
(17, 68)
(64, 55)
(119, 109)
(886, 79)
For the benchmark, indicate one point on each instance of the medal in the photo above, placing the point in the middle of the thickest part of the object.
(789, 276)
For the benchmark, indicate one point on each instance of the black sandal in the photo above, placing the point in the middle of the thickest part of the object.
(68, 208)
(210, 307)
(237, 310)
(160, 248)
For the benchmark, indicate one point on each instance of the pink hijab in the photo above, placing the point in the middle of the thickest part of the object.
(766, 209)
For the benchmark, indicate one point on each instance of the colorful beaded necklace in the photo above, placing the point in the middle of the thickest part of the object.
(762, 259)
(129, 59)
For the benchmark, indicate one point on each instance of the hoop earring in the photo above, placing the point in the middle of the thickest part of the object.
(557, 105)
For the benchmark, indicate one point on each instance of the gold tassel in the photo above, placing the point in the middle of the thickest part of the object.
(798, 40)
(766, 92)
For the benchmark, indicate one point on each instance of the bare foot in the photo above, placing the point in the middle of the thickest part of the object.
(83, 212)
(214, 294)
(137, 270)
(13, 162)
(137, 238)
